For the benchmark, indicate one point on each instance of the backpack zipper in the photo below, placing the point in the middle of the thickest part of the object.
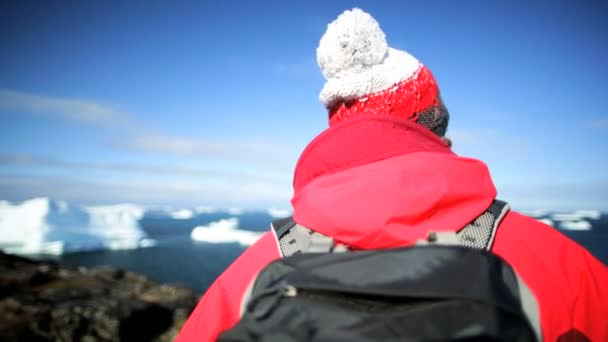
(289, 290)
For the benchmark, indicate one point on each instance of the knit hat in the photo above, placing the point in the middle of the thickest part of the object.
(364, 76)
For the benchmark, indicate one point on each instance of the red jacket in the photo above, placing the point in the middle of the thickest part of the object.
(377, 183)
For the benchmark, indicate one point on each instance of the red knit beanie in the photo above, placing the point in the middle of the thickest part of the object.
(364, 76)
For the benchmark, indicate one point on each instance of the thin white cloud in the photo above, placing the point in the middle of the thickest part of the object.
(599, 123)
(63, 108)
(484, 137)
(225, 172)
(463, 136)
(556, 196)
(499, 149)
(303, 68)
(186, 146)
(131, 134)
(257, 154)
(170, 192)
(143, 168)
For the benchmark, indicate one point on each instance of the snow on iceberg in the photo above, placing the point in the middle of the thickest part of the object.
(45, 226)
(575, 225)
(224, 231)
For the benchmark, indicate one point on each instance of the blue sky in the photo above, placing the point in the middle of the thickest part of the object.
(210, 103)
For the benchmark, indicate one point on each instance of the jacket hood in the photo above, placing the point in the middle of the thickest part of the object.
(379, 182)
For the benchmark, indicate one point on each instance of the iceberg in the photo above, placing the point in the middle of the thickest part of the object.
(575, 225)
(45, 226)
(537, 213)
(590, 214)
(145, 243)
(577, 215)
(224, 231)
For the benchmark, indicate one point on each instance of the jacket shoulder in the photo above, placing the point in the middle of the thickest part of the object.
(526, 241)
(564, 277)
(219, 308)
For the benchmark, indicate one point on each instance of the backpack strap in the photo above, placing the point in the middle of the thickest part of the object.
(481, 232)
(478, 234)
(294, 238)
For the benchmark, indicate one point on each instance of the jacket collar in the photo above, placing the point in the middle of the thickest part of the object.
(360, 141)
(379, 182)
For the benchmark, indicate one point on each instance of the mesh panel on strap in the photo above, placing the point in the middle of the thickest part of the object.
(481, 232)
(477, 234)
(294, 238)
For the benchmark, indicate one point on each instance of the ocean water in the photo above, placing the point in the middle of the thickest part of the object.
(177, 259)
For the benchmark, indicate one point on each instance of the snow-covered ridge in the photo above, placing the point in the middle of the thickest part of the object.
(45, 226)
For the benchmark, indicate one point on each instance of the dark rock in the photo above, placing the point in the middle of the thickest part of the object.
(45, 301)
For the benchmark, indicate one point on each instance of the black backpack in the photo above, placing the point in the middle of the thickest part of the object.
(447, 288)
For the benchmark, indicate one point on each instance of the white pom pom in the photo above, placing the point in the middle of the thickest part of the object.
(352, 43)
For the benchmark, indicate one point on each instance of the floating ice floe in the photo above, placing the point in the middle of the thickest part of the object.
(590, 214)
(577, 215)
(575, 225)
(538, 213)
(224, 231)
(145, 243)
(547, 222)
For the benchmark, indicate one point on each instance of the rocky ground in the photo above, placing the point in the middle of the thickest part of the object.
(45, 301)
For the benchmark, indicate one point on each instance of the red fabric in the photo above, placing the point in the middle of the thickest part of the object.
(405, 100)
(380, 182)
(570, 285)
(219, 308)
